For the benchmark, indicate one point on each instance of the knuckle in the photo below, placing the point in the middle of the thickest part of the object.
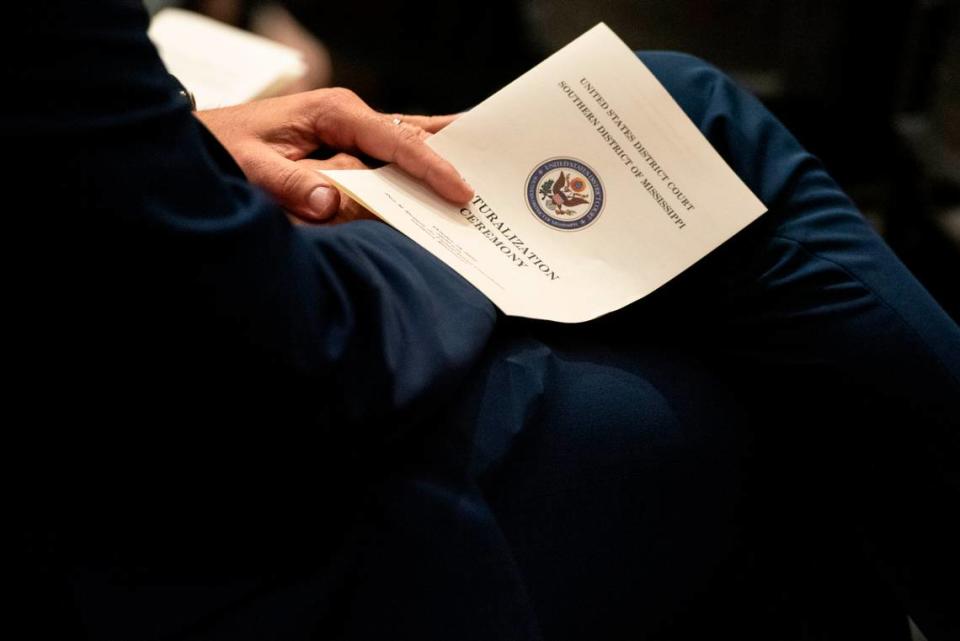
(328, 99)
(348, 94)
(343, 100)
(339, 111)
(341, 94)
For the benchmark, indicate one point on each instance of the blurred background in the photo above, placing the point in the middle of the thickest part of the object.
(873, 89)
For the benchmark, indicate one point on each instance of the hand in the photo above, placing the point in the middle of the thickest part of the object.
(267, 137)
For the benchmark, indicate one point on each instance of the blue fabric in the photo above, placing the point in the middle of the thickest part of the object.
(768, 445)
(238, 429)
(764, 448)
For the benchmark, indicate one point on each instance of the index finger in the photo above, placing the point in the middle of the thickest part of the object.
(405, 144)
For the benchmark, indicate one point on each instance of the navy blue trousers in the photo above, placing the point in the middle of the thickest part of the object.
(767, 446)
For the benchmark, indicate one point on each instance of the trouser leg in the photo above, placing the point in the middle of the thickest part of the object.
(813, 315)
(614, 475)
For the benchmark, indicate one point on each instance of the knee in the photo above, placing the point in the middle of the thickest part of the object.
(752, 141)
(645, 416)
(692, 81)
(677, 61)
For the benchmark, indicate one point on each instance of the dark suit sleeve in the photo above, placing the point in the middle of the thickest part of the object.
(185, 285)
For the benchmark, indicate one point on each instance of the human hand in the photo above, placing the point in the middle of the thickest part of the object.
(268, 137)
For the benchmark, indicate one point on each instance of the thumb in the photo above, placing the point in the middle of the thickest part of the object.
(302, 192)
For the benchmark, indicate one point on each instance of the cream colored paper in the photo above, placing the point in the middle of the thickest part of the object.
(564, 108)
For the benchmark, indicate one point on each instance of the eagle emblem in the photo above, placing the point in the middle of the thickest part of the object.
(560, 192)
(565, 193)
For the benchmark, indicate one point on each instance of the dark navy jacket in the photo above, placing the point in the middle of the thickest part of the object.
(179, 347)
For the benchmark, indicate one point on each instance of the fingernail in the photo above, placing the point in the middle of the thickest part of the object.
(322, 201)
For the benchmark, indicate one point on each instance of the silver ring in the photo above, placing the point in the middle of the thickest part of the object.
(397, 121)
